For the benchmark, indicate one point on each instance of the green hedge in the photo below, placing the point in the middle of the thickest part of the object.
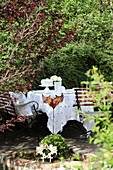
(70, 63)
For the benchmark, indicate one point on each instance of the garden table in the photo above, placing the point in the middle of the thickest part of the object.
(63, 112)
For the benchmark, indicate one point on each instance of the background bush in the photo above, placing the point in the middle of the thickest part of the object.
(70, 63)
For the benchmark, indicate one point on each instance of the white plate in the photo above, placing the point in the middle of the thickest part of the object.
(37, 91)
(45, 86)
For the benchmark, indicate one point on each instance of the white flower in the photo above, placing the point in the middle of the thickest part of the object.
(55, 78)
(59, 79)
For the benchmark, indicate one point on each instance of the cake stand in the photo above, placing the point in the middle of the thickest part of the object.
(46, 90)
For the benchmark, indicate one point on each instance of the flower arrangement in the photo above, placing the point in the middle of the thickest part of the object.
(55, 78)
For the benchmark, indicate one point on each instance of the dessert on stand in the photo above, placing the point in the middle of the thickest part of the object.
(46, 83)
(53, 81)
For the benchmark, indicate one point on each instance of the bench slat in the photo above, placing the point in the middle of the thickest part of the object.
(5, 97)
(5, 102)
(3, 90)
(83, 98)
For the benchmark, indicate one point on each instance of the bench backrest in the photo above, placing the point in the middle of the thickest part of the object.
(83, 98)
(6, 103)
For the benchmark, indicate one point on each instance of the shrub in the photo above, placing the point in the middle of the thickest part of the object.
(70, 63)
(104, 134)
(56, 140)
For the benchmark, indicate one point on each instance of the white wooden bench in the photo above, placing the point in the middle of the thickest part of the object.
(84, 104)
(8, 109)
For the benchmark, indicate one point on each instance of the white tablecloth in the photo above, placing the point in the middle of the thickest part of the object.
(87, 124)
(63, 112)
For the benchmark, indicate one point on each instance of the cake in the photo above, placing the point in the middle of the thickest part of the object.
(46, 82)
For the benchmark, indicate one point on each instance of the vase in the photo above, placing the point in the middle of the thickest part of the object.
(57, 85)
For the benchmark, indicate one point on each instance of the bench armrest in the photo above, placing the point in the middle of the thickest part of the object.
(34, 107)
(24, 104)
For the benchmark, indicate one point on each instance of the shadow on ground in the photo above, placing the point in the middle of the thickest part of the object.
(19, 140)
(72, 129)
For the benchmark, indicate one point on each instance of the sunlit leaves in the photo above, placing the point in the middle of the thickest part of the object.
(30, 30)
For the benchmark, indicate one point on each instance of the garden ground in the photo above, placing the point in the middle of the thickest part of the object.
(71, 132)
(25, 143)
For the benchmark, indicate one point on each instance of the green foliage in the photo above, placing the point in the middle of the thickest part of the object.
(30, 30)
(56, 140)
(25, 37)
(105, 59)
(93, 20)
(69, 63)
(93, 44)
(104, 133)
